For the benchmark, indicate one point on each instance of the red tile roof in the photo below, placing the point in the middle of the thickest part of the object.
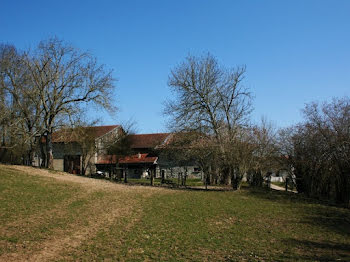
(148, 140)
(133, 159)
(138, 159)
(107, 159)
(68, 135)
(102, 130)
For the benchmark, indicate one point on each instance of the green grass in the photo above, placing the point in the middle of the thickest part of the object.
(34, 209)
(175, 225)
(253, 225)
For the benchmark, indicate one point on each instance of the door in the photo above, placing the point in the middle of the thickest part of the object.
(72, 164)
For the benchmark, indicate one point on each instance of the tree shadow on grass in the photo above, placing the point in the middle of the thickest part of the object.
(289, 197)
(334, 219)
(307, 250)
(320, 214)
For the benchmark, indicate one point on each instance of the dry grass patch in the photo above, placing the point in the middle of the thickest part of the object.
(56, 211)
(55, 216)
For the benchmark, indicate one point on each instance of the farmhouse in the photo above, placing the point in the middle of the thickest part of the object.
(83, 150)
(76, 150)
(143, 158)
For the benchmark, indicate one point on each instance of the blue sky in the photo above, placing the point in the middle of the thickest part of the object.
(295, 51)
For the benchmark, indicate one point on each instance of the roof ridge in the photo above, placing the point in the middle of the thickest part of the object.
(102, 126)
(152, 134)
(98, 132)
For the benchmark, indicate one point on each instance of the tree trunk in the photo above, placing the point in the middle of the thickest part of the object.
(126, 175)
(163, 176)
(206, 180)
(119, 174)
(235, 178)
(43, 153)
(49, 159)
(111, 172)
(31, 156)
(83, 167)
(152, 177)
(185, 176)
(3, 144)
(24, 160)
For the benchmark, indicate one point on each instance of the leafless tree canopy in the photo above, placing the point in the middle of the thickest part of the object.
(45, 89)
(208, 98)
(212, 100)
(318, 150)
(50, 85)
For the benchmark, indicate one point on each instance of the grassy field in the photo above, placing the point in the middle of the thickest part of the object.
(46, 216)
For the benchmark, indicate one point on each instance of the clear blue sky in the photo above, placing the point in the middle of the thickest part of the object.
(295, 51)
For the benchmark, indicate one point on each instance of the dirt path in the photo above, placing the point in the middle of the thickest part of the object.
(86, 182)
(275, 187)
(105, 216)
(52, 248)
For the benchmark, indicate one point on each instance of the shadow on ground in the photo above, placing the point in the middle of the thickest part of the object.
(324, 215)
(307, 250)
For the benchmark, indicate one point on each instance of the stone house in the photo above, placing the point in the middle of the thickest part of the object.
(77, 151)
(146, 158)
(143, 158)
(83, 151)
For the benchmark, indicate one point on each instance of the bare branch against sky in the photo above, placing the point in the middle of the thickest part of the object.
(295, 51)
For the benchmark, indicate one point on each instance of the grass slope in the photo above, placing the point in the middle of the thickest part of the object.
(46, 219)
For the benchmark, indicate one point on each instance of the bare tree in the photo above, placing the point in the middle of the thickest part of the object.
(45, 88)
(22, 113)
(84, 136)
(265, 154)
(184, 149)
(65, 79)
(319, 150)
(209, 99)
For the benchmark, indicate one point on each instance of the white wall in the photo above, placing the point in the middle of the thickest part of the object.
(58, 164)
